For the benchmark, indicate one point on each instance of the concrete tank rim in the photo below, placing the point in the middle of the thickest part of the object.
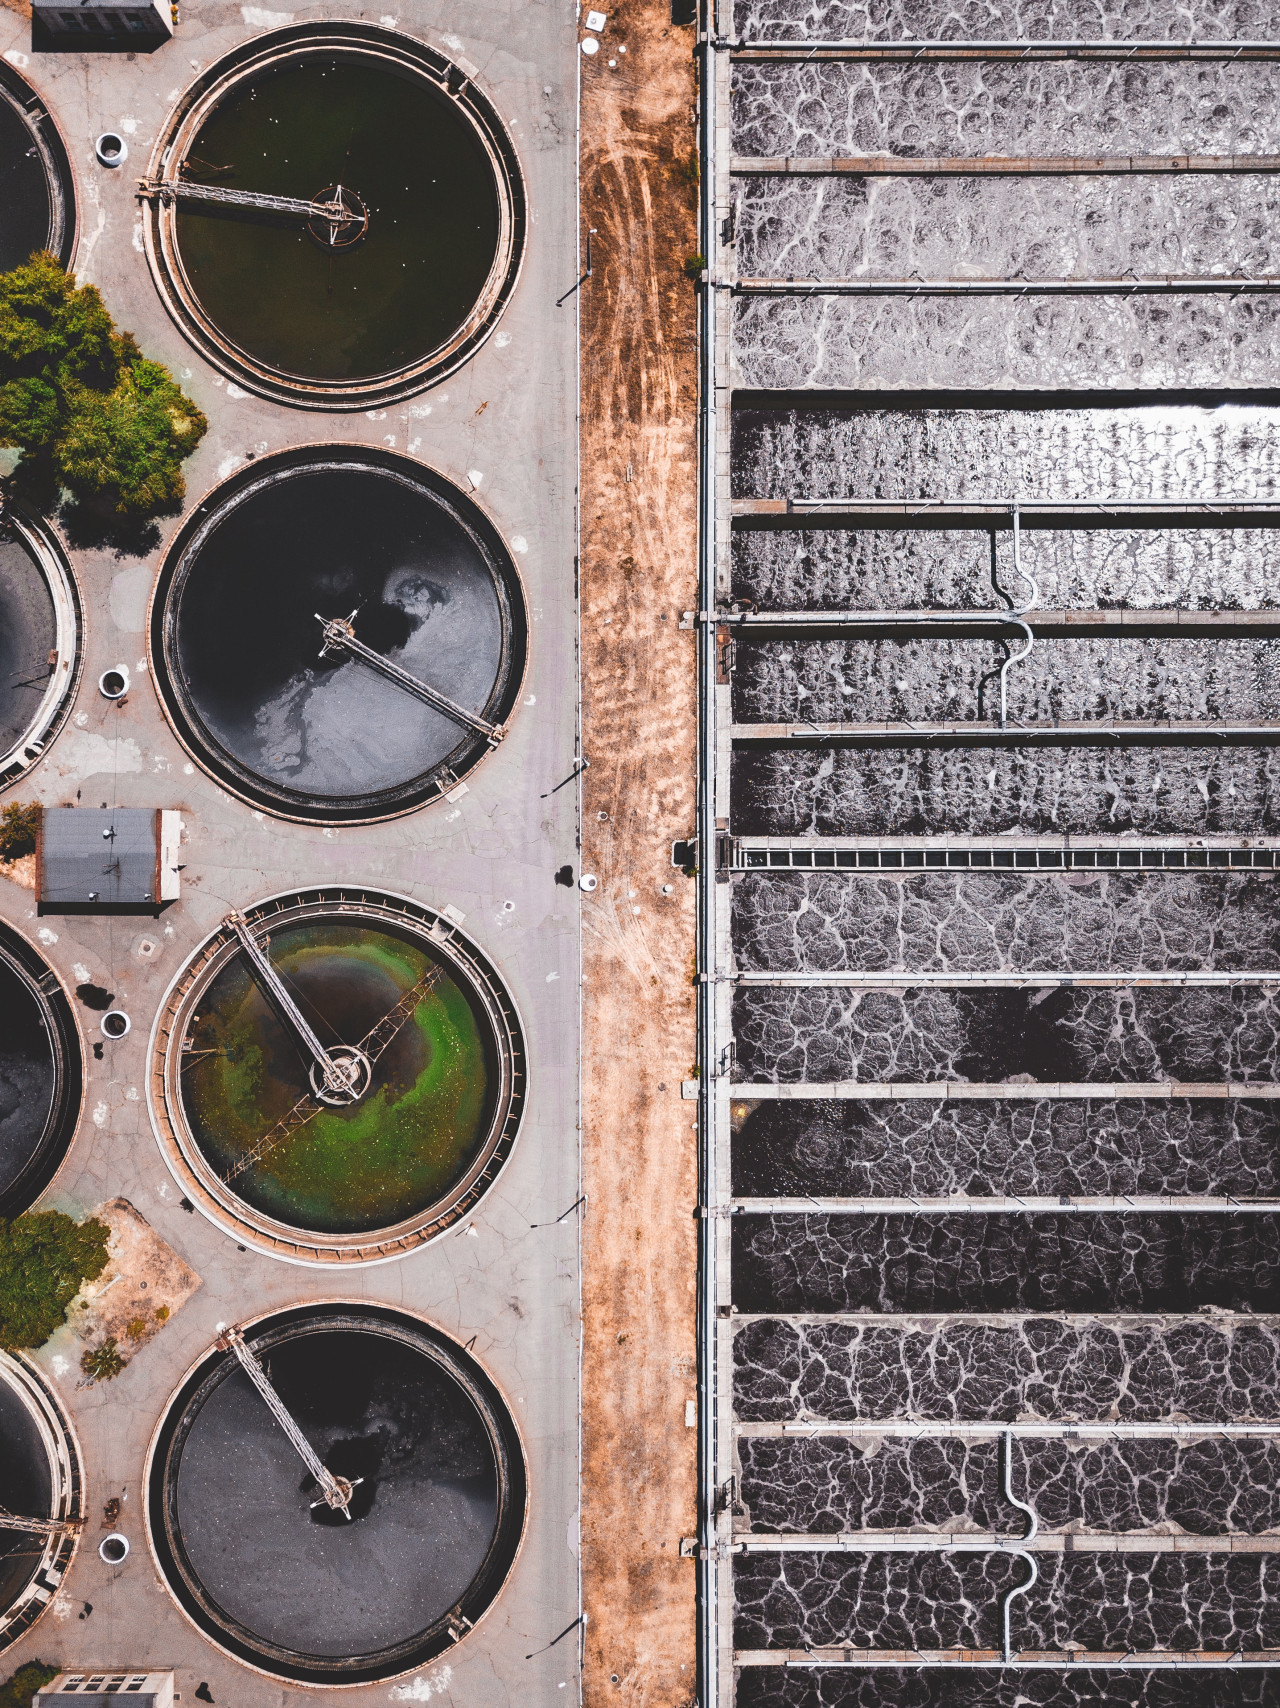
(299, 458)
(66, 1467)
(58, 1003)
(45, 546)
(411, 53)
(338, 1301)
(18, 87)
(284, 1242)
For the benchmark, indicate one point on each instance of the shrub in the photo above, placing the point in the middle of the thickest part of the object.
(44, 1257)
(18, 826)
(21, 1686)
(103, 1363)
(80, 401)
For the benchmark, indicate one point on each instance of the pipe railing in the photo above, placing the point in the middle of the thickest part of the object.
(1212, 284)
(1046, 48)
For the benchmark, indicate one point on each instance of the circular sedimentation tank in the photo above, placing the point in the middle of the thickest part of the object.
(258, 1560)
(36, 190)
(283, 711)
(40, 1074)
(389, 1155)
(40, 1479)
(337, 215)
(40, 655)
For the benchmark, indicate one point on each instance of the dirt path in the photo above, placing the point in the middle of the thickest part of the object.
(639, 571)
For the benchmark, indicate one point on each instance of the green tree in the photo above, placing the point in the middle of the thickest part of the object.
(18, 826)
(44, 1257)
(82, 403)
(21, 1686)
(103, 1363)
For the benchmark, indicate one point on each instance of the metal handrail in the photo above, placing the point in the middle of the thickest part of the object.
(1018, 615)
(1018, 1589)
(712, 1689)
(1208, 284)
(1033, 1522)
(998, 979)
(1049, 48)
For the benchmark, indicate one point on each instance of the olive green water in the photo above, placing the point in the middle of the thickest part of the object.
(373, 1163)
(416, 162)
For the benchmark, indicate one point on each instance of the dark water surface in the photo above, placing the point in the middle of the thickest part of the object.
(1043, 1147)
(28, 633)
(984, 922)
(416, 162)
(982, 791)
(1007, 1262)
(851, 227)
(832, 1485)
(425, 1516)
(24, 190)
(1000, 20)
(921, 1687)
(1053, 108)
(1104, 1036)
(1215, 1368)
(1179, 452)
(27, 1077)
(244, 641)
(995, 1316)
(1110, 1602)
(1196, 569)
(25, 1487)
(1085, 680)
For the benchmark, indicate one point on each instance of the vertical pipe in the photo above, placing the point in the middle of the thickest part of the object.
(1016, 615)
(709, 1683)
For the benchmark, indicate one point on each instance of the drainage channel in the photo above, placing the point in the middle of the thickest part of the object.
(988, 824)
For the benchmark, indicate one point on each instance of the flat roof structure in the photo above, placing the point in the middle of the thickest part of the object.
(107, 857)
(91, 23)
(145, 1689)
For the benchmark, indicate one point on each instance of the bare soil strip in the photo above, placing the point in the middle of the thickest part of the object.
(639, 572)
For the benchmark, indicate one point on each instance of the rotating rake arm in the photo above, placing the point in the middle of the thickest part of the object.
(39, 1526)
(339, 636)
(374, 1042)
(275, 988)
(335, 1491)
(378, 1037)
(181, 189)
(305, 1109)
(337, 216)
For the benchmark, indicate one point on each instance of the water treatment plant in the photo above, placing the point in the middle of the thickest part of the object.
(639, 942)
(288, 973)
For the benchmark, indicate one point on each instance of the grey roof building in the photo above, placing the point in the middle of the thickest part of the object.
(109, 857)
(146, 1689)
(102, 22)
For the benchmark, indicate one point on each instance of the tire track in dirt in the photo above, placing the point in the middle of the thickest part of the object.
(638, 572)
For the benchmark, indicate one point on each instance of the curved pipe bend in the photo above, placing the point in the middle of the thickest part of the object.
(1017, 614)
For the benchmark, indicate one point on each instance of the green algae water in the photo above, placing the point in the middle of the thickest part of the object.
(418, 165)
(371, 1164)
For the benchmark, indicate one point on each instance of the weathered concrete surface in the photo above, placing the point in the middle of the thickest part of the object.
(502, 427)
(639, 571)
(142, 1288)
